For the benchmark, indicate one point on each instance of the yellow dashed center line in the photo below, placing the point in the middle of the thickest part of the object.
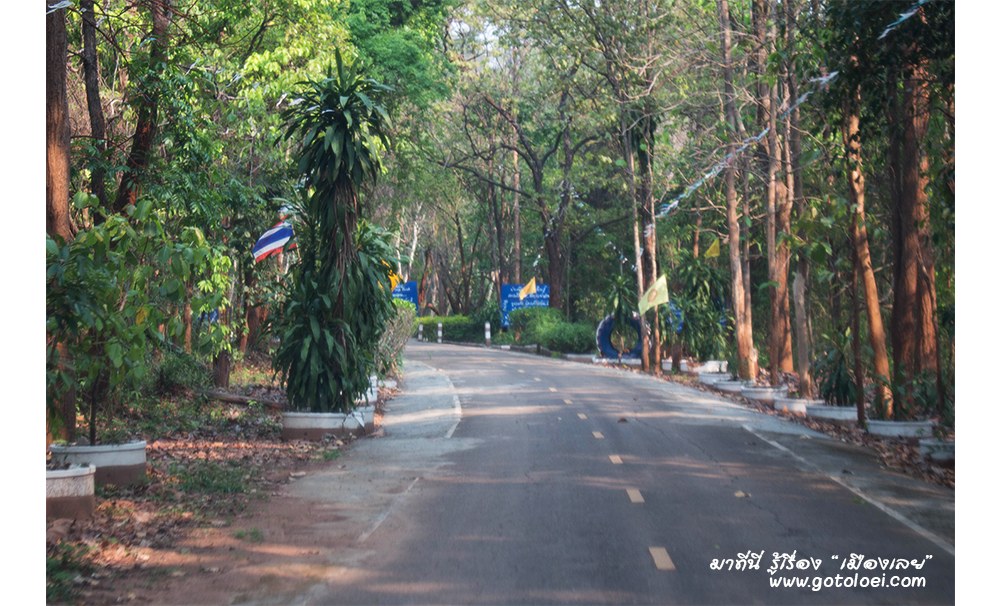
(598, 435)
(581, 415)
(552, 389)
(661, 558)
(520, 371)
(634, 495)
(537, 379)
(568, 401)
(616, 459)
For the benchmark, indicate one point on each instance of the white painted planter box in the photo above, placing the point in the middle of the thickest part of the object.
(765, 394)
(668, 364)
(937, 450)
(118, 464)
(712, 366)
(796, 406)
(315, 425)
(625, 361)
(733, 387)
(902, 429)
(69, 493)
(711, 378)
(847, 414)
(372, 394)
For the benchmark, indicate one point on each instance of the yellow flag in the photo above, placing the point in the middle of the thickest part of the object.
(713, 250)
(528, 289)
(656, 295)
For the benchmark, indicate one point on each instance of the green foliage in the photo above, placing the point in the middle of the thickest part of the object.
(453, 328)
(546, 326)
(397, 331)
(702, 290)
(61, 569)
(254, 535)
(913, 396)
(489, 312)
(328, 354)
(338, 298)
(210, 477)
(344, 131)
(567, 337)
(109, 291)
(833, 374)
(178, 370)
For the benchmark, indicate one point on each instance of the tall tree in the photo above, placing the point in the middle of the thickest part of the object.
(746, 356)
(57, 167)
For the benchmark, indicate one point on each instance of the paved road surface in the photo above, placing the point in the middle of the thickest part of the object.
(507, 478)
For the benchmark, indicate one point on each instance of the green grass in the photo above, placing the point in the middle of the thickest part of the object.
(254, 535)
(327, 455)
(211, 478)
(61, 569)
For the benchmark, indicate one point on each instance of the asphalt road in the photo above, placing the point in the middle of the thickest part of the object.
(569, 483)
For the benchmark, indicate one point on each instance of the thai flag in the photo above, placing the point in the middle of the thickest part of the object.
(273, 240)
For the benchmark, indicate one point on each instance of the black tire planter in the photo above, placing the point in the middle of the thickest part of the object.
(607, 350)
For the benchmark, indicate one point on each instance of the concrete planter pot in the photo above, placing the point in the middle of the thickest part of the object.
(936, 450)
(668, 365)
(118, 464)
(371, 395)
(764, 394)
(901, 429)
(838, 414)
(795, 406)
(69, 493)
(730, 387)
(314, 426)
(712, 366)
(711, 378)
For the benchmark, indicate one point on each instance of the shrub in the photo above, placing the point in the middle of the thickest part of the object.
(567, 338)
(546, 327)
(453, 328)
(397, 331)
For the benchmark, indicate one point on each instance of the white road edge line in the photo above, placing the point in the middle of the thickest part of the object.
(385, 514)
(930, 536)
(458, 411)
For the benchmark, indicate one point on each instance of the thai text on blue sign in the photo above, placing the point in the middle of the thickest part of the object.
(509, 300)
(406, 291)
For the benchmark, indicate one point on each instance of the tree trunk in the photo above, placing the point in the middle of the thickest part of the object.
(744, 333)
(859, 239)
(220, 369)
(859, 370)
(517, 222)
(145, 129)
(57, 172)
(94, 107)
(648, 222)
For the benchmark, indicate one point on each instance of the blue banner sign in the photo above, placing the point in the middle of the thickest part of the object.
(406, 291)
(509, 300)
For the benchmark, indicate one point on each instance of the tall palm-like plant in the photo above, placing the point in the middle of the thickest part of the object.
(326, 353)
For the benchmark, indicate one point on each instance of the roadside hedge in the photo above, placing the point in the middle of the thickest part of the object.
(453, 328)
(535, 325)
